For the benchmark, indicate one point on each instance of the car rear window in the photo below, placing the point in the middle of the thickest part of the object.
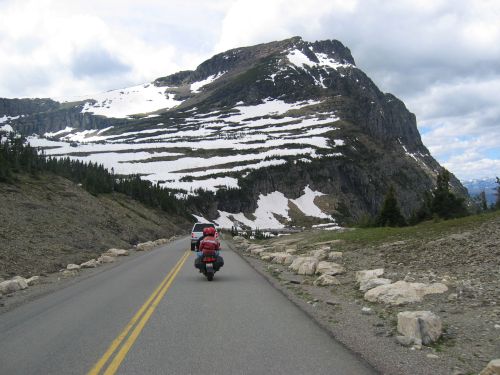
(200, 227)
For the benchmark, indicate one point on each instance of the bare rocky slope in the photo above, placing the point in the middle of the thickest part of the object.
(459, 258)
(49, 222)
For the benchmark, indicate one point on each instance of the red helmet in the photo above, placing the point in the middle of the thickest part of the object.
(206, 231)
(211, 231)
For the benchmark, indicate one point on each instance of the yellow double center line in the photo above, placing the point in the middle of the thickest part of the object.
(136, 325)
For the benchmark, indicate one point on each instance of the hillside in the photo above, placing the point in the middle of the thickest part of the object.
(49, 222)
(461, 256)
(284, 121)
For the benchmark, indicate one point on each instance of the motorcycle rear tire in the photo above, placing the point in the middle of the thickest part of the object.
(210, 276)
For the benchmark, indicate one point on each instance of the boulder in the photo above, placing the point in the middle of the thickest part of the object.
(105, 259)
(89, 264)
(117, 252)
(33, 280)
(368, 274)
(291, 249)
(493, 368)
(283, 258)
(72, 266)
(266, 256)
(160, 241)
(421, 326)
(326, 280)
(238, 238)
(333, 255)
(329, 268)
(10, 286)
(257, 250)
(321, 253)
(373, 283)
(145, 246)
(23, 284)
(69, 273)
(402, 292)
(304, 265)
(367, 311)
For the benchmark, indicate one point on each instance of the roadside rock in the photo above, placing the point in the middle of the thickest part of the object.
(21, 281)
(105, 259)
(402, 292)
(493, 368)
(423, 326)
(291, 249)
(373, 283)
(304, 265)
(33, 280)
(283, 258)
(238, 238)
(89, 264)
(367, 311)
(329, 268)
(69, 273)
(72, 266)
(145, 246)
(333, 255)
(13, 285)
(160, 241)
(321, 253)
(405, 341)
(117, 252)
(368, 274)
(326, 280)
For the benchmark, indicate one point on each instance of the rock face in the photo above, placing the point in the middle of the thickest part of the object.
(421, 326)
(402, 292)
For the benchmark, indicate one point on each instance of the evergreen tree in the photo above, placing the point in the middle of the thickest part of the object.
(483, 204)
(444, 203)
(497, 204)
(391, 213)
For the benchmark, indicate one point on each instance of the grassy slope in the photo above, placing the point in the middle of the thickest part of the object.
(49, 222)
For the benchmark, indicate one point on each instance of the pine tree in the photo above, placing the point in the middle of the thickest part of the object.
(444, 203)
(483, 204)
(497, 204)
(391, 213)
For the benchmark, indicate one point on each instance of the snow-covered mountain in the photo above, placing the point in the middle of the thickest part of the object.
(488, 185)
(282, 133)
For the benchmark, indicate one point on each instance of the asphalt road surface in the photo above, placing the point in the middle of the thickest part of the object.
(155, 314)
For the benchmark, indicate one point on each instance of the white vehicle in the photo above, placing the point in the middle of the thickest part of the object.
(197, 232)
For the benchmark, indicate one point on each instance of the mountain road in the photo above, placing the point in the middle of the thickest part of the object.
(155, 314)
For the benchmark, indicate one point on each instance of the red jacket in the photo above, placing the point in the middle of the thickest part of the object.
(209, 244)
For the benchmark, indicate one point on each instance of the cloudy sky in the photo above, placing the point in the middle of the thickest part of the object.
(442, 58)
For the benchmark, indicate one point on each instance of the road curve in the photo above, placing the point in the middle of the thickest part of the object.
(237, 324)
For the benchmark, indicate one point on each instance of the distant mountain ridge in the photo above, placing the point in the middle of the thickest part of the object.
(488, 185)
(286, 132)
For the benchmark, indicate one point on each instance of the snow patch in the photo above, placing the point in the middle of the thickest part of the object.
(305, 203)
(196, 86)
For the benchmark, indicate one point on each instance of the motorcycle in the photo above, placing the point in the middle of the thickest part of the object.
(209, 263)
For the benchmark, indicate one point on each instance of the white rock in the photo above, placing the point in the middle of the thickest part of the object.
(160, 241)
(106, 259)
(497, 326)
(368, 274)
(321, 253)
(145, 246)
(433, 356)
(329, 268)
(366, 311)
(333, 255)
(117, 252)
(238, 238)
(69, 273)
(326, 280)
(420, 325)
(11, 286)
(373, 283)
(291, 250)
(23, 284)
(402, 292)
(493, 368)
(89, 264)
(72, 266)
(33, 280)
(310, 265)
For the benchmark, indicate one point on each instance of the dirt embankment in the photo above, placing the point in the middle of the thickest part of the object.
(49, 222)
(463, 254)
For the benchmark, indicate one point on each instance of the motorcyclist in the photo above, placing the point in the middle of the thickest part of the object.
(208, 242)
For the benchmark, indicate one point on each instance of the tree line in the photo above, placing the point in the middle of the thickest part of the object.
(17, 156)
(441, 203)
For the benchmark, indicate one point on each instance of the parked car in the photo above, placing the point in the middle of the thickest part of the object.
(197, 232)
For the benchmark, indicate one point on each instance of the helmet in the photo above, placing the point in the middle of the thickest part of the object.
(206, 230)
(211, 231)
